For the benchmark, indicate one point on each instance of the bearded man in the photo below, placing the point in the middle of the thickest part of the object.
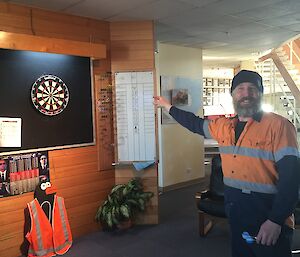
(260, 163)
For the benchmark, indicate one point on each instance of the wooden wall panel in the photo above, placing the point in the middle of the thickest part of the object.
(132, 49)
(39, 22)
(132, 46)
(32, 21)
(12, 223)
(15, 18)
(73, 171)
(83, 189)
(104, 121)
(149, 179)
(27, 42)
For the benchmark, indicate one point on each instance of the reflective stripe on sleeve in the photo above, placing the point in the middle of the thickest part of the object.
(286, 151)
(206, 130)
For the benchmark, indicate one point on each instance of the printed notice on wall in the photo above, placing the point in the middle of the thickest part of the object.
(10, 132)
(135, 116)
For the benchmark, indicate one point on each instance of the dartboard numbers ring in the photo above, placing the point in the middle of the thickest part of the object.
(49, 95)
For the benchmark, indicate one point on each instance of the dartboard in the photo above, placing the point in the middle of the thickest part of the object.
(49, 95)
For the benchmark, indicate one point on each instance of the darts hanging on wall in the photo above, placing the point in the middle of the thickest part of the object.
(50, 95)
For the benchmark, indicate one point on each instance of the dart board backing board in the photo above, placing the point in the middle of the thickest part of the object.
(52, 94)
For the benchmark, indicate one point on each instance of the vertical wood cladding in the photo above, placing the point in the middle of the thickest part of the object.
(132, 49)
(132, 46)
(75, 171)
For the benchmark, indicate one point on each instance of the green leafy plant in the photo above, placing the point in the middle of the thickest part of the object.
(123, 202)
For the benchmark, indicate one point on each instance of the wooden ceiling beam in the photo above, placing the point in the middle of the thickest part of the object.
(51, 45)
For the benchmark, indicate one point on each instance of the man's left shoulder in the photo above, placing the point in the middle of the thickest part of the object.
(276, 118)
(277, 123)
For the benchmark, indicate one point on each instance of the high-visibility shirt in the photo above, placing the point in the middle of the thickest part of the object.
(260, 145)
(263, 160)
(48, 239)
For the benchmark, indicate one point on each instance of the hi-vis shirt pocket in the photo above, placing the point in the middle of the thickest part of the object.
(257, 148)
(260, 144)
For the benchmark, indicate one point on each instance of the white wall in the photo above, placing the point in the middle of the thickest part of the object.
(218, 73)
(181, 152)
(247, 65)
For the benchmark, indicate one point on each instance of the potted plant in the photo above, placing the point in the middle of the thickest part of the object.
(121, 205)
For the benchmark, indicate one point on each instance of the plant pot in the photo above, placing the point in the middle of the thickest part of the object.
(124, 225)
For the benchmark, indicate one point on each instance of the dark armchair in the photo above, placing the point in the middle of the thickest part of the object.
(211, 202)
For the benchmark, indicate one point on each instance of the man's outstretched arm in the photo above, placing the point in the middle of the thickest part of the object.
(187, 119)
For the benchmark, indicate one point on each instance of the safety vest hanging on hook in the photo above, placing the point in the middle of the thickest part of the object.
(48, 239)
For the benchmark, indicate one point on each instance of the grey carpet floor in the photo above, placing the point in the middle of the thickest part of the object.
(175, 236)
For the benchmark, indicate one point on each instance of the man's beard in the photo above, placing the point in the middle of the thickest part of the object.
(248, 110)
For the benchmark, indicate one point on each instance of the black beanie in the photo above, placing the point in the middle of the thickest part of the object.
(247, 76)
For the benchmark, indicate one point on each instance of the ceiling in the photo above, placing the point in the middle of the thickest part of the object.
(227, 30)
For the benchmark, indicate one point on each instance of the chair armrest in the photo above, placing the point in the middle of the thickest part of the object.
(203, 195)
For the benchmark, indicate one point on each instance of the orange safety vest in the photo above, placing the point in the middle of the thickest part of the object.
(47, 239)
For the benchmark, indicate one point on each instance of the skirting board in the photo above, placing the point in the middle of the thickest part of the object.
(201, 181)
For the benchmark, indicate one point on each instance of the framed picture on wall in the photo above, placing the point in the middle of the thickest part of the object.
(184, 93)
(21, 173)
(180, 97)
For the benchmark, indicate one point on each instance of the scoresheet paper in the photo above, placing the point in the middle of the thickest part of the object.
(10, 132)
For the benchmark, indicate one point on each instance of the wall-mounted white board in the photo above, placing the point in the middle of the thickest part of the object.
(135, 116)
